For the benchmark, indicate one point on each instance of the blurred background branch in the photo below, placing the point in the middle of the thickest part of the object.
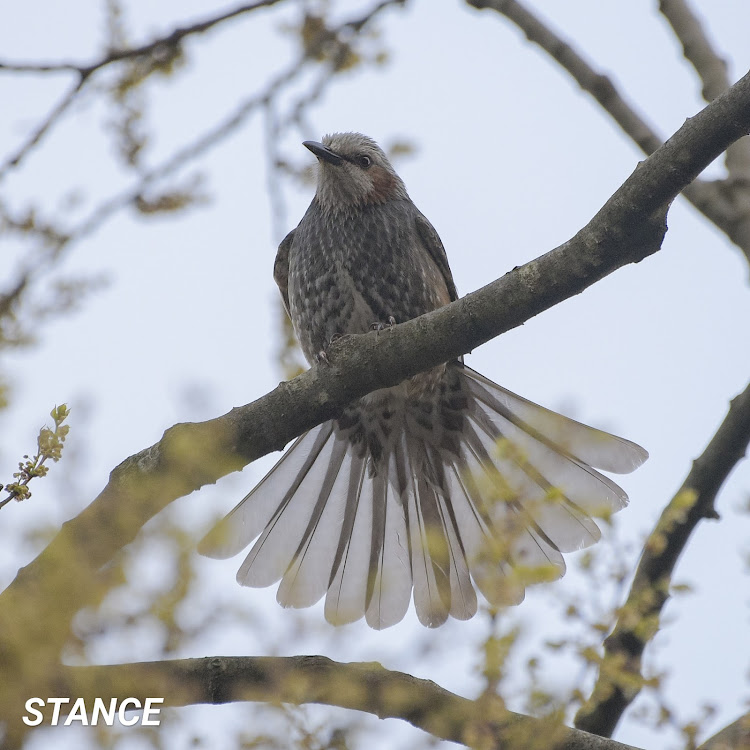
(316, 679)
(620, 676)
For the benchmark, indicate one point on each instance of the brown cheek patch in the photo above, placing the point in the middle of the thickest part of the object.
(383, 184)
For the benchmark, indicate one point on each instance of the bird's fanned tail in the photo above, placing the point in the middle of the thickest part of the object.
(505, 486)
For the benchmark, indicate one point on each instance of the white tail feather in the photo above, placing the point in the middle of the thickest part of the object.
(515, 489)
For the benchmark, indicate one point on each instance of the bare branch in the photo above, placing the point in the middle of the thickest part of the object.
(736, 736)
(697, 48)
(726, 203)
(712, 70)
(597, 84)
(331, 40)
(183, 156)
(157, 48)
(620, 678)
(54, 115)
(366, 687)
(154, 47)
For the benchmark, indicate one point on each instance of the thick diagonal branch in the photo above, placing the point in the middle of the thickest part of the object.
(620, 677)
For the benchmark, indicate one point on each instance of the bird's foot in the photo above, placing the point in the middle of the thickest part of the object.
(380, 326)
(322, 355)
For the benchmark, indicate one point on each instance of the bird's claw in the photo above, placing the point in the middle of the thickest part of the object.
(322, 355)
(380, 326)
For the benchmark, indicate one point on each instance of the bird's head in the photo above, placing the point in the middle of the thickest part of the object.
(354, 171)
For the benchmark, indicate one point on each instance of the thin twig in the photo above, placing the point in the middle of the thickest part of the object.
(85, 71)
(698, 50)
(180, 158)
(712, 70)
(225, 127)
(620, 678)
(154, 48)
(150, 48)
(599, 85)
(54, 115)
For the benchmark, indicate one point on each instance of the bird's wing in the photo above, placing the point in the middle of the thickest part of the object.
(434, 246)
(281, 268)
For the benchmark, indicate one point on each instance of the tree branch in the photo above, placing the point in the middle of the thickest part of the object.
(154, 47)
(620, 678)
(726, 203)
(41, 130)
(712, 70)
(697, 48)
(600, 86)
(329, 43)
(366, 687)
(36, 609)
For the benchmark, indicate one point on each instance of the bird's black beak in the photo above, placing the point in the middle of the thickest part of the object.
(323, 152)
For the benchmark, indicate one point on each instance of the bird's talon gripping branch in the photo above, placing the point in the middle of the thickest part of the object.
(380, 326)
(322, 355)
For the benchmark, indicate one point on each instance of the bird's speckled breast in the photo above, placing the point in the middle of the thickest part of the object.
(356, 268)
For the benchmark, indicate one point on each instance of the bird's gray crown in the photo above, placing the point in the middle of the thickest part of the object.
(362, 176)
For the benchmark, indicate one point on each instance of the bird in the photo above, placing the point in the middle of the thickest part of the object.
(439, 487)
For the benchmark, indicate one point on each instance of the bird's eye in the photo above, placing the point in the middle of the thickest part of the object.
(364, 161)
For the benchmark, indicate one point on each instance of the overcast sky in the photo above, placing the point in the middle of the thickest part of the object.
(511, 160)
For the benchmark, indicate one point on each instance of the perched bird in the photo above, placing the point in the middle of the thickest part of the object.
(441, 481)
